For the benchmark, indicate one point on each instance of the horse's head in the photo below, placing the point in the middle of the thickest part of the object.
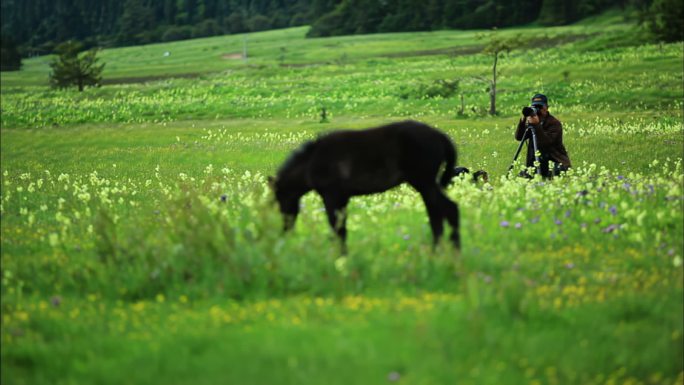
(291, 183)
(288, 201)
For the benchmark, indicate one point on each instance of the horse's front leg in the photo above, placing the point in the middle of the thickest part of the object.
(336, 210)
(432, 204)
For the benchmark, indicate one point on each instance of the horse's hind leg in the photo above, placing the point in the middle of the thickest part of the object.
(451, 211)
(336, 210)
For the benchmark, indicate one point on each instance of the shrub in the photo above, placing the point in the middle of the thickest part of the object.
(209, 27)
(441, 88)
(177, 33)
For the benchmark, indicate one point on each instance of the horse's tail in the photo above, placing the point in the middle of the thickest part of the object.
(449, 160)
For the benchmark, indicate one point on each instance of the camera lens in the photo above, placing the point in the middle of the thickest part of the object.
(529, 111)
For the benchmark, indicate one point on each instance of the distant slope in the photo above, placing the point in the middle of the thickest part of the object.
(289, 47)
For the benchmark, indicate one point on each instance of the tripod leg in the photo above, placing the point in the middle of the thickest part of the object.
(536, 150)
(517, 153)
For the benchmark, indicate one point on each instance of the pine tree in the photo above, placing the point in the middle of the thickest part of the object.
(665, 19)
(72, 69)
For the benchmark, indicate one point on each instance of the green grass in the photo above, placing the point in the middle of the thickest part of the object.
(140, 243)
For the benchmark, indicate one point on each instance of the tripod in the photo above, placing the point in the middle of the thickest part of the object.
(531, 129)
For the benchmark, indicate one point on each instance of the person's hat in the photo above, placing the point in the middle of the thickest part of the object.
(539, 100)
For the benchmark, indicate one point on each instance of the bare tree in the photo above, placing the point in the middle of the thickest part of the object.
(497, 47)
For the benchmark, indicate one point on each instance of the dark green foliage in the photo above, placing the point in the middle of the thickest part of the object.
(259, 23)
(135, 22)
(38, 25)
(10, 59)
(665, 19)
(72, 69)
(177, 33)
(441, 88)
(209, 27)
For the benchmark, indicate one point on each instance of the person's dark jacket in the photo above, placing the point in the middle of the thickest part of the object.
(549, 139)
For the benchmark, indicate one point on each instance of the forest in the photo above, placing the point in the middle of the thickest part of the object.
(36, 27)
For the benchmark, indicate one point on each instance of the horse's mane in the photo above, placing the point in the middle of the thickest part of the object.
(298, 155)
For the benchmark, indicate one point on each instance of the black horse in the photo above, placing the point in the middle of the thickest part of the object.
(346, 163)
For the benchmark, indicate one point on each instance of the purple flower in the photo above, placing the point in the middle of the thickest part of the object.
(518, 225)
(56, 301)
(224, 197)
(557, 221)
(567, 213)
(534, 220)
(582, 193)
(597, 220)
(620, 177)
(613, 210)
(611, 228)
(504, 224)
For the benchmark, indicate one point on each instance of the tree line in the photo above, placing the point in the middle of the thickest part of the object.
(38, 26)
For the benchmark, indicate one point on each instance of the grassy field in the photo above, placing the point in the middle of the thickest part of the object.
(140, 243)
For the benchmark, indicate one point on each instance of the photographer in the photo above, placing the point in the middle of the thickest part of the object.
(549, 132)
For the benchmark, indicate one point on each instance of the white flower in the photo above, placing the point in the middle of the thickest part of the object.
(53, 239)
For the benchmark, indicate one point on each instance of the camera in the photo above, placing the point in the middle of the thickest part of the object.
(530, 111)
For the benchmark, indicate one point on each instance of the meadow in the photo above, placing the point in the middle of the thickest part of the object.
(141, 245)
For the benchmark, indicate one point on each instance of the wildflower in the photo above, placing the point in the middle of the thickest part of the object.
(56, 301)
(611, 228)
(518, 225)
(557, 221)
(53, 239)
(504, 224)
(393, 376)
(534, 220)
(569, 265)
(677, 261)
(341, 264)
(613, 210)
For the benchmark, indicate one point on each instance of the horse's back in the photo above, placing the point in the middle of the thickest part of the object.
(376, 159)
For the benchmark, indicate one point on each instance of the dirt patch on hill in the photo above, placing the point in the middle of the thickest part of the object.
(151, 78)
(440, 51)
(232, 56)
